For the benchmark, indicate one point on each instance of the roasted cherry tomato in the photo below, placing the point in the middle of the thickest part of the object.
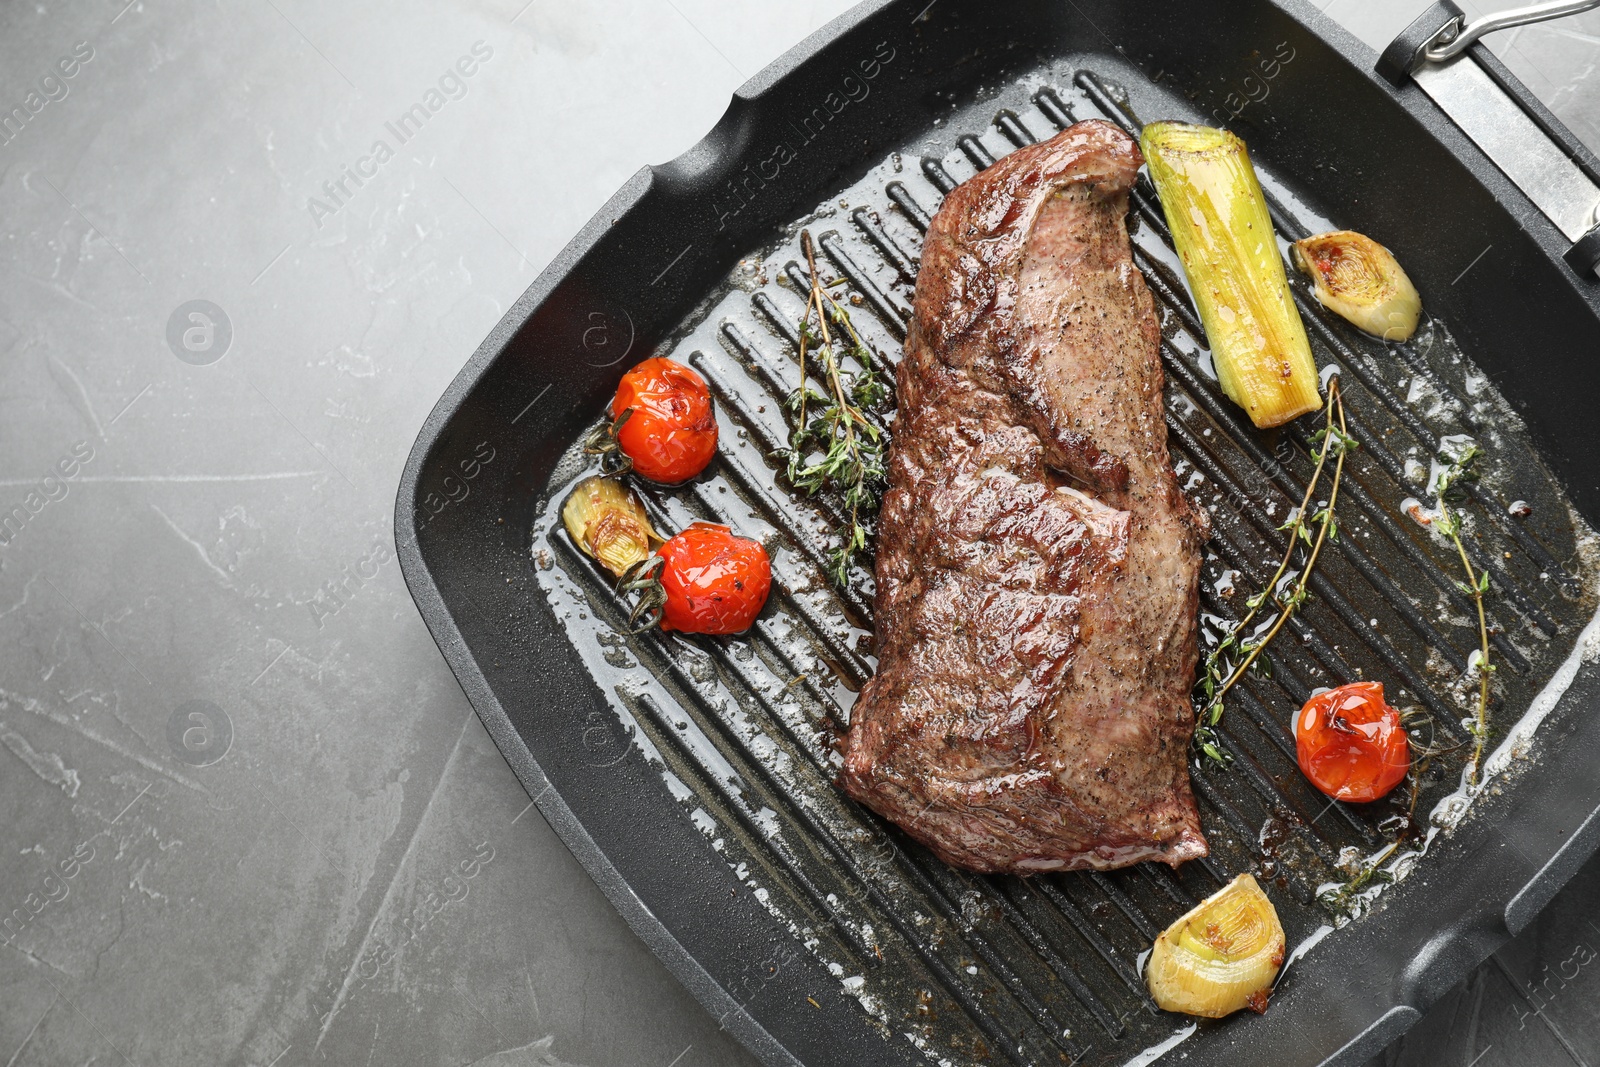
(715, 582)
(1351, 744)
(662, 420)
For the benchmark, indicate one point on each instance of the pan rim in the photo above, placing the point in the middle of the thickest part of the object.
(439, 616)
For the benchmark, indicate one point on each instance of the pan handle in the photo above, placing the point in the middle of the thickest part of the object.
(1451, 39)
(1441, 53)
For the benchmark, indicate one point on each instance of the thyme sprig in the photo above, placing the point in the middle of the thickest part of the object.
(1338, 899)
(1460, 467)
(1237, 654)
(834, 423)
(1448, 523)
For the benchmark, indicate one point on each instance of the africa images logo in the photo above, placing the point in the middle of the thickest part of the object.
(199, 332)
(452, 85)
(53, 87)
(803, 128)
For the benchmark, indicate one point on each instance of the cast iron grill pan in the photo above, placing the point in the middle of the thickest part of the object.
(1034, 970)
(851, 931)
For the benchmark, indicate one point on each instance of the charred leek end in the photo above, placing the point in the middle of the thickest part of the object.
(1219, 222)
(1220, 957)
(1359, 279)
(607, 521)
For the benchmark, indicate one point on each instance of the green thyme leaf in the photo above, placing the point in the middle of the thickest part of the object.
(839, 449)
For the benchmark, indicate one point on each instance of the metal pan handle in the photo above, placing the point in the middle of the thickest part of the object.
(1441, 53)
(1452, 39)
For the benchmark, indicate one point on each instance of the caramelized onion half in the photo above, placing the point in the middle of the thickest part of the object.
(607, 521)
(1221, 956)
(1359, 279)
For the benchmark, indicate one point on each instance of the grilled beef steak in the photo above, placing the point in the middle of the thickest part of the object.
(1037, 562)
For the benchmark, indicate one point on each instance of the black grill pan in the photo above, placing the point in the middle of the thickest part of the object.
(688, 775)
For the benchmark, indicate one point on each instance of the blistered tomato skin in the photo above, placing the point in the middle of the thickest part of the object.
(1350, 743)
(671, 432)
(715, 582)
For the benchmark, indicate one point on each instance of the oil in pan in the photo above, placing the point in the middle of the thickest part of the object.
(1046, 969)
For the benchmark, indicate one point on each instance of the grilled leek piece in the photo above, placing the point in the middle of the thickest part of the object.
(607, 521)
(1359, 279)
(1221, 956)
(1219, 222)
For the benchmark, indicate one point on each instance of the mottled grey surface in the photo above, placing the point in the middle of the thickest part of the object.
(247, 816)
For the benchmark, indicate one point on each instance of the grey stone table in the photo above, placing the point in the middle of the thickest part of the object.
(246, 816)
